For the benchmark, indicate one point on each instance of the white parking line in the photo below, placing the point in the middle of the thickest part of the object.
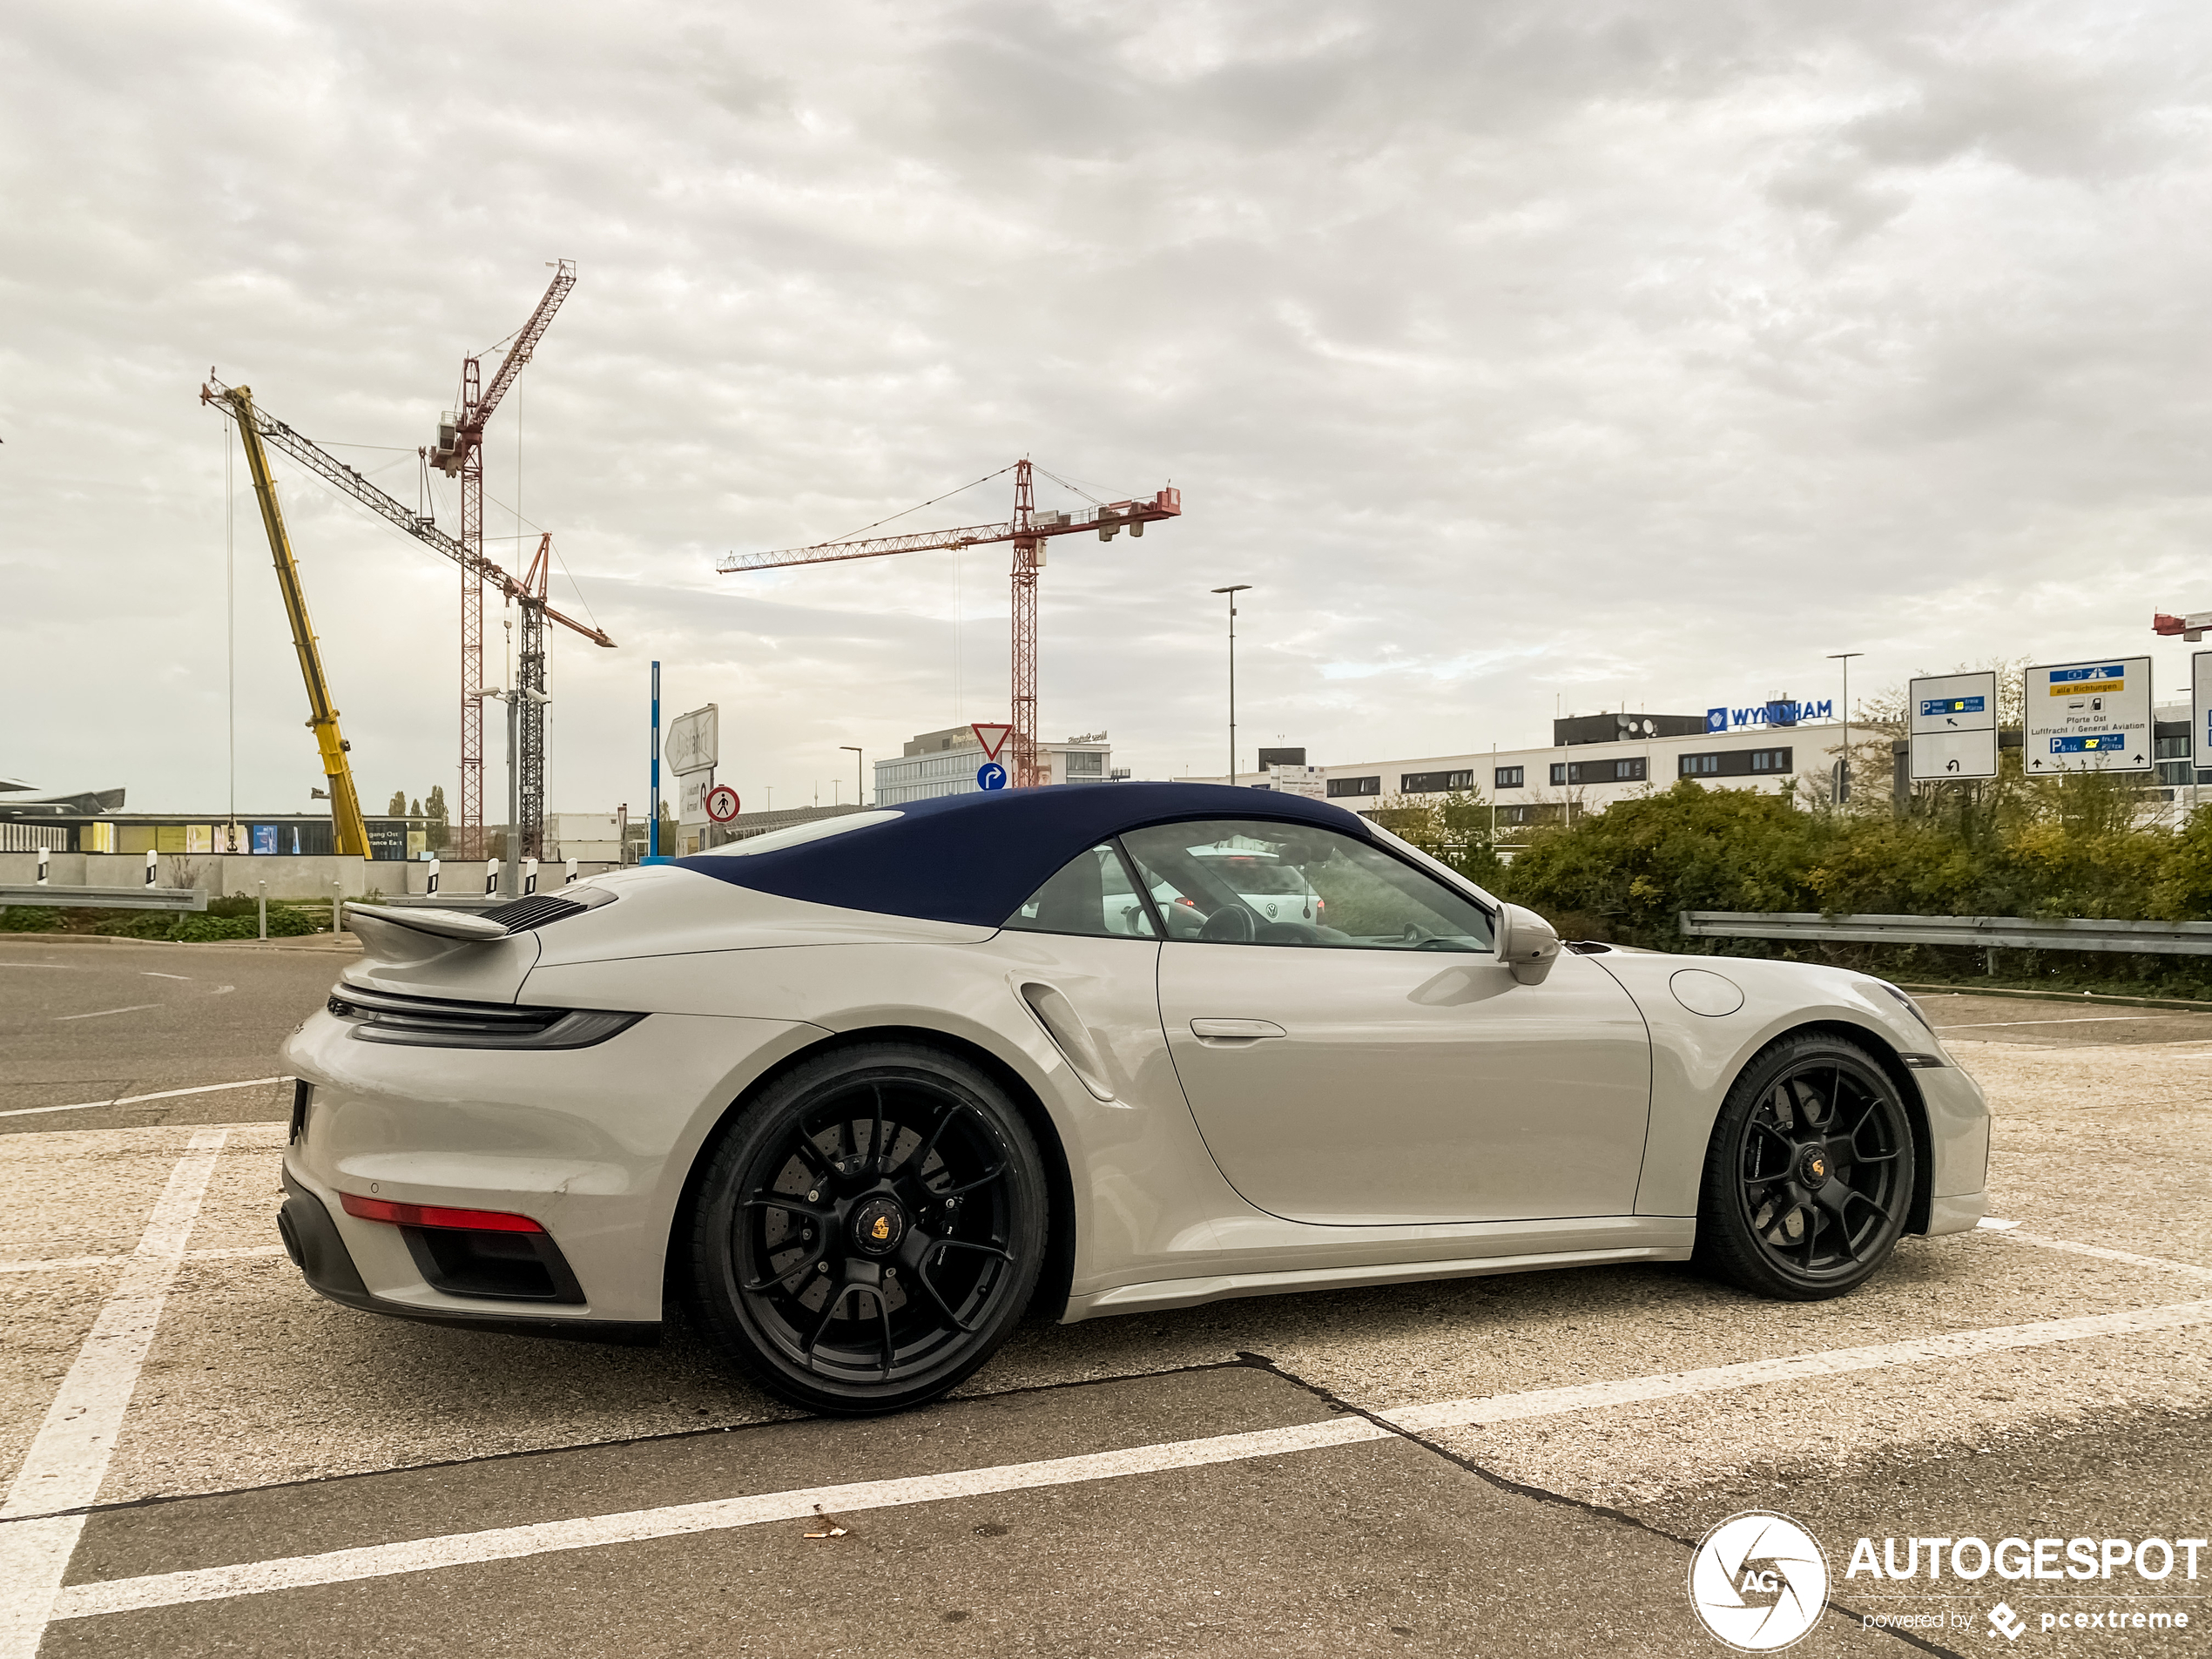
(2083, 1019)
(64, 1264)
(149, 972)
(68, 1458)
(508, 1543)
(1954, 1344)
(102, 1014)
(133, 1100)
(2043, 1241)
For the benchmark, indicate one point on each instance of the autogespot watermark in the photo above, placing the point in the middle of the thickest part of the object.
(1760, 1582)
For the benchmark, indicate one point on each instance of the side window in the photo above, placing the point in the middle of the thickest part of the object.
(1234, 881)
(1090, 893)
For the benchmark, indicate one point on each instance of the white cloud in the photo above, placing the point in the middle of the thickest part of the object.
(1516, 356)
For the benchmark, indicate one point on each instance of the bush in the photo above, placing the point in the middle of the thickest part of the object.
(2041, 848)
(30, 919)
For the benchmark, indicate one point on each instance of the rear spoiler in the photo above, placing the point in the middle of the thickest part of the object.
(446, 924)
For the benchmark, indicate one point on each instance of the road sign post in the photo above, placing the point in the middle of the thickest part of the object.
(1952, 726)
(2089, 716)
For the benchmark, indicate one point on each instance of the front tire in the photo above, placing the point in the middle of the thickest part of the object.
(1809, 1176)
(867, 1233)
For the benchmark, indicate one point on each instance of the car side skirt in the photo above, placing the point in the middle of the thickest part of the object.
(1161, 1294)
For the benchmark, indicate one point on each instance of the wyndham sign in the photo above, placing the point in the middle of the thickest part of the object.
(1760, 715)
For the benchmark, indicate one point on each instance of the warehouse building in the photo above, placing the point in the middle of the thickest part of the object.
(1593, 761)
(945, 763)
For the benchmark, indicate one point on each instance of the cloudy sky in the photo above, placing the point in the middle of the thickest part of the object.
(1522, 356)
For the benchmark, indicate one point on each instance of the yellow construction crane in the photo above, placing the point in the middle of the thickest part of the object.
(351, 832)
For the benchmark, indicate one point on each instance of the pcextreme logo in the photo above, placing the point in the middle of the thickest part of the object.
(1759, 1581)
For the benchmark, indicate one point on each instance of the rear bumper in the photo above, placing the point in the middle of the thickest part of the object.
(312, 1239)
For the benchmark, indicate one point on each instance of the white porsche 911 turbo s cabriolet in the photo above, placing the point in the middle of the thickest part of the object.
(860, 1095)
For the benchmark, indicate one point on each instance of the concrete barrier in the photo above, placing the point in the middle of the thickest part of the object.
(299, 879)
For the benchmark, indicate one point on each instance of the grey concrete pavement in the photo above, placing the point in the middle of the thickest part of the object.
(95, 1020)
(269, 1424)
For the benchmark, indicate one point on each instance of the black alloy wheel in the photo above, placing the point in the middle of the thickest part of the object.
(1809, 1176)
(868, 1231)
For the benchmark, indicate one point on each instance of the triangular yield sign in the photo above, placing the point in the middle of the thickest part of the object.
(993, 737)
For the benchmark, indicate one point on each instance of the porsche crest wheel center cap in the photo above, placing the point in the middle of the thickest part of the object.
(878, 1225)
(1813, 1166)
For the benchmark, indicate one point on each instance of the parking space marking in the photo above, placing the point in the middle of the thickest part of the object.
(133, 1100)
(510, 1543)
(63, 1264)
(102, 1014)
(2044, 1241)
(68, 1460)
(150, 973)
(1954, 1344)
(2080, 1019)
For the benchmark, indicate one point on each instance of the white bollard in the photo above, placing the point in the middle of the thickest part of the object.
(337, 908)
(150, 864)
(261, 908)
(42, 866)
(571, 881)
(529, 875)
(491, 877)
(432, 887)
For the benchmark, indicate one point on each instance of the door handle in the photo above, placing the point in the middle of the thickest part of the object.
(1244, 1030)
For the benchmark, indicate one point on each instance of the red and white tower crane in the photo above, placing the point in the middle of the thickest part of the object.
(459, 451)
(1027, 530)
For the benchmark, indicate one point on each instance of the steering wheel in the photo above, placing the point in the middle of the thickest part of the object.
(1230, 925)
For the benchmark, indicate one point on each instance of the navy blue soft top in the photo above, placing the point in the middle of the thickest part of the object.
(975, 859)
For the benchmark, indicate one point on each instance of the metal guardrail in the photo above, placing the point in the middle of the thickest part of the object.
(104, 898)
(2008, 933)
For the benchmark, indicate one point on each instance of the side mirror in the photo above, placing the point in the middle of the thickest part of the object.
(1525, 944)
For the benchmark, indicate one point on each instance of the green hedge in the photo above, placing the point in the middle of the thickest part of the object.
(232, 918)
(2068, 848)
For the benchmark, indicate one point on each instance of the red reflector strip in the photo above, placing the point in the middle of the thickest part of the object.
(431, 1215)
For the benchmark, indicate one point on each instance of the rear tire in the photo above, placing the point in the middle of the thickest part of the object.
(1808, 1175)
(868, 1231)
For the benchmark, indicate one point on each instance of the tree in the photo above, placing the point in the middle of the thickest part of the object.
(435, 818)
(415, 811)
(398, 808)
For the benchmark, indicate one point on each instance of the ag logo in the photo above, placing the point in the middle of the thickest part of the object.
(882, 1228)
(1758, 1581)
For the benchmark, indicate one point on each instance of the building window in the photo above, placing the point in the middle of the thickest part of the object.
(1085, 762)
(1431, 783)
(1559, 772)
(1630, 771)
(1507, 778)
(1339, 787)
(1736, 762)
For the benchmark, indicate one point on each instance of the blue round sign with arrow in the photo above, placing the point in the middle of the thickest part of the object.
(991, 775)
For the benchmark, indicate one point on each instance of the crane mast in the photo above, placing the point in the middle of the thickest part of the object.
(257, 427)
(350, 830)
(1027, 530)
(459, 451)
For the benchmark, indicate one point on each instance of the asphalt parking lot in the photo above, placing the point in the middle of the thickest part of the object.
(204, 1458)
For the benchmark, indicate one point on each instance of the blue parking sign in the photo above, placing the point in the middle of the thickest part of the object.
(991, 775)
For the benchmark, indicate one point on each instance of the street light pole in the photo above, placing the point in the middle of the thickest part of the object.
(1843, 794)
(1232, 591)
(859, 775)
